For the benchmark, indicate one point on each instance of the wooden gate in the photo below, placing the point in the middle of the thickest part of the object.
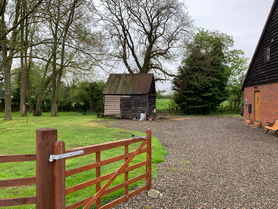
(51, 176)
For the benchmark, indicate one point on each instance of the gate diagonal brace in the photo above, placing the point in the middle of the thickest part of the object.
(65, 155)
(102, 190)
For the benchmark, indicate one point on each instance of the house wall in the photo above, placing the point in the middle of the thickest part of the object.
(268, 102)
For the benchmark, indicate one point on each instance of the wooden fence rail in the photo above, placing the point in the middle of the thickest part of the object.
(51, 176)
(17, 182)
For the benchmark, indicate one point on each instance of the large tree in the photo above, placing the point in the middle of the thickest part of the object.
(238, 65)
(145, 33)
(10, 20)
(66, 44)
(201, 82)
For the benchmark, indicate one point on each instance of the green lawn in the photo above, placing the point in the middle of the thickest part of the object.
(19, 137)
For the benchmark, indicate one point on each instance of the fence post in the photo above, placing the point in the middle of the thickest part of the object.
(45, 139)
(149, 159)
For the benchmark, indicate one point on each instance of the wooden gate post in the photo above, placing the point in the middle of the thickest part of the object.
(45, 139)
(59, 177)
(149, 159)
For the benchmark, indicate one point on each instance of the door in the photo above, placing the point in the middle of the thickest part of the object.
(257, 105)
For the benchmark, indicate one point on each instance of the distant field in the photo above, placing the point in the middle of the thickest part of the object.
(168, 106)
(164, 105)
(19, 137)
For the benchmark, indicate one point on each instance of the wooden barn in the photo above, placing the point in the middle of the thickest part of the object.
(261, 82)
(129, 95)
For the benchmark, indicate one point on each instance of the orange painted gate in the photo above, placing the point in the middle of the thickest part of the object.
(51, 172)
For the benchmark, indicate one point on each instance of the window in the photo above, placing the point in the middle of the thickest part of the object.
(267, 54)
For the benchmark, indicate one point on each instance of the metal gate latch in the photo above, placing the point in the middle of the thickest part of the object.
(65, 155)
(141, 137)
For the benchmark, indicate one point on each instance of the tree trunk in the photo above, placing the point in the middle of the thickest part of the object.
(8, 99)
(57, 75)
(147, 59)
(54, 108)
(23, 90)
(7, 69)
(24, 69)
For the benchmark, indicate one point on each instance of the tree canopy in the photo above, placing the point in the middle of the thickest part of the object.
(201, 83)
(57, 35)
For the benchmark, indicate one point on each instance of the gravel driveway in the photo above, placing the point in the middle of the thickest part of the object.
(213, 162)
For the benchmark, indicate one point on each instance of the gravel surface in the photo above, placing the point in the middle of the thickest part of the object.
(213, 162)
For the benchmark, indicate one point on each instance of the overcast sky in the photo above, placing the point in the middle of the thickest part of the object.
(242, 19)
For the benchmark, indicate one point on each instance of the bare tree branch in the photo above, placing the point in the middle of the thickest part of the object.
(144, 32)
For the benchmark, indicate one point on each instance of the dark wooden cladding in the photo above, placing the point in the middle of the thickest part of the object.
(152, 105)
(132, 107)
(126, 108)
(17, 158)
(18, 201)
(260, 70)
(18, 182)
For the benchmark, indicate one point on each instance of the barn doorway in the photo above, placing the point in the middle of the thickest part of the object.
(257, 105)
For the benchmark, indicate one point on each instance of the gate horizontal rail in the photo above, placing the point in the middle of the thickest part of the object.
(17, 158)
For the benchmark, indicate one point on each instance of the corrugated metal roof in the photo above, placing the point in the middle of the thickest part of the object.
(128, 84)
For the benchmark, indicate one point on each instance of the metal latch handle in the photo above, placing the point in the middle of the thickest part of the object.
(141, 137)
(65, 155)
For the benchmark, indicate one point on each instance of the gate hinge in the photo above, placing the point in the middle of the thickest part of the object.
(65, 155)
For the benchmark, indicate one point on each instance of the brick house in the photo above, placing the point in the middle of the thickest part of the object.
(261, 82)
